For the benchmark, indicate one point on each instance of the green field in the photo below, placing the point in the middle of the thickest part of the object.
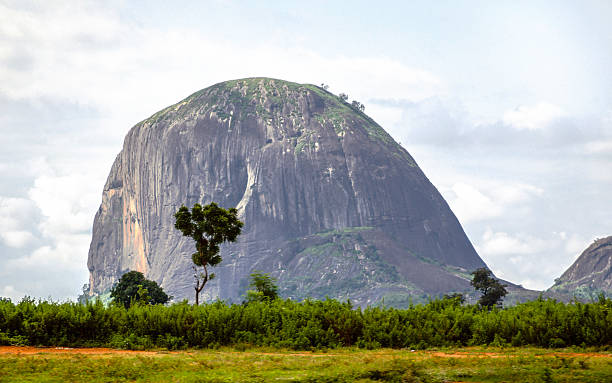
(339, 365)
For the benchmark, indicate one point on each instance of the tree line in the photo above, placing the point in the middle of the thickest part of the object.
(306, 325)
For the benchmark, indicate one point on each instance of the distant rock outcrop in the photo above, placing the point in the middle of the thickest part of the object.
(590, 274)
(332, 205)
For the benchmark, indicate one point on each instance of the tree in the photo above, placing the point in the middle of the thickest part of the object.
(264, 287)
(143, 295)
(357, 105)
(492, 290)
(343, 97)
(134, 287)
(457, 298)
(208, 226)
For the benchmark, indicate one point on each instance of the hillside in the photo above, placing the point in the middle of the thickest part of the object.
(590, 274)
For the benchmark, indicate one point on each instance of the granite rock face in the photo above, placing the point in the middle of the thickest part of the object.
(332, 205)
(590, 274)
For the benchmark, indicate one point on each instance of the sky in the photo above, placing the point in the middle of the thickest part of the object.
(506, 106)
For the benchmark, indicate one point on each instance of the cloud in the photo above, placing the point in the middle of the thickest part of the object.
(523, 258)
(576, 244)
(503, 244)
(599, 147)
(446, 121)
(533, 117)
(15, 213)
(515, 193)
(532, 260)
(49, 231)
(86, 53)
(10, 292)
(434, 120)
(65, 256)
(489, 199)
(469, 204)
(65, 202)
(17, 238)
(17, 216)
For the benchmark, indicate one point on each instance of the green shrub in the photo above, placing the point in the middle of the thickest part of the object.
(306, 325)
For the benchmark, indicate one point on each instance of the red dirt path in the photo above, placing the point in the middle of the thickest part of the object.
(478, 354)
(29, 350)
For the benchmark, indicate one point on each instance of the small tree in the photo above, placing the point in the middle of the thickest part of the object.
(134, 287)
(457, 298)
(143, 295)
(264, 287)
(492, 290)
(208, 226)
(357, 105)
(343, 97)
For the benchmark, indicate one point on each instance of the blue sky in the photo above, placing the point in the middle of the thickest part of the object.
(505, 105)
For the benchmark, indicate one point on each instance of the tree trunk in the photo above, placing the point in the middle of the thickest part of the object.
(199, 287)
(197, 293)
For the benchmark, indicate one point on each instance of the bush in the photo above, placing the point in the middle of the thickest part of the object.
(133, 287)
(304, 325)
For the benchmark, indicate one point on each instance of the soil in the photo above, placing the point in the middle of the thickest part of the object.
(502, 355)
(29, 350)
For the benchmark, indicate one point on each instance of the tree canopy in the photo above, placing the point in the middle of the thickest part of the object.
(209, 226)
(492, 290)
(357, 105)
(133, 287)
(263, 287)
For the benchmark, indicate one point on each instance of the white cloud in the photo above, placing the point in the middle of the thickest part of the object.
(88, 55)
(56, 270)
(599, 147)
(66, 202)
(534, 117)
(505, 244)
(61, 207)
(386, 116)
(10, 292)
(17, 238)
(484, 199)
(509, 194)
(470, 204)
(527, 259)
(66, 256)
(17, 215)
(15, 212)
(373, 77)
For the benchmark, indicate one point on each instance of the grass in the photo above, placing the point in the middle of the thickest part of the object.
(344, 365)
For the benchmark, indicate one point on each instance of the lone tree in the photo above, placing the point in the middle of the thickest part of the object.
(133, 287)
(492, 290)
(208, 226)
(262, 287)
(357, 105)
